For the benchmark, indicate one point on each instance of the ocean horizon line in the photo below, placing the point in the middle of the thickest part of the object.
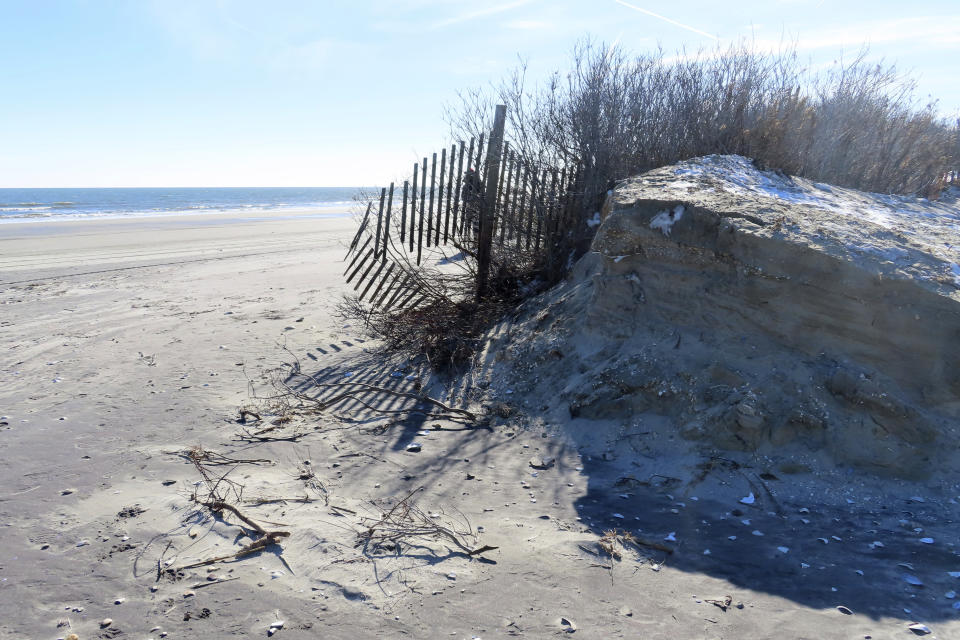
(64, 203)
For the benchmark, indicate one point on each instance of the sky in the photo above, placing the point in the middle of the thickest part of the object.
(185, 93)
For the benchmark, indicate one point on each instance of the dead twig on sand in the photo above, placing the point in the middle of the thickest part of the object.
(207, 457)
(218, 490)
(201, 585)
(405, 521)
(259, 501)
(261, 543)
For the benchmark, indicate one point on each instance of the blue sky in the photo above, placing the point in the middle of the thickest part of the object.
(103, 93)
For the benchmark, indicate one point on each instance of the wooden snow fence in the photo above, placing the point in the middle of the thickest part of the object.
(470, 199)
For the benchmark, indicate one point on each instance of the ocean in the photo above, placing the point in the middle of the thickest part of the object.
(32, 205)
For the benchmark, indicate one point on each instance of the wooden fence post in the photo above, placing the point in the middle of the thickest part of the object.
(489, 204)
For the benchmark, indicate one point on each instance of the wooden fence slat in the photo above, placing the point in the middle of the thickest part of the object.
(356, 256)
(542, 196)
(383, 281)
(373, 263)
(403, 213)
(561, 215)
(446, 219)
(373, 279)
(515, 214)
(497, 213)
(386, 292)
(376, 245)
(399, 290)
(433, 182)
(423, 204)
(456, 195)
(413, 203)
(362, 262)
(532, 181)
(404, 301)
(505, 222)
(363, 225)
(507, 231)
(550, 229)
(481, 170)
(463, 214)
(443, 165)
(505, 194)
(416, 303)
(386, 226)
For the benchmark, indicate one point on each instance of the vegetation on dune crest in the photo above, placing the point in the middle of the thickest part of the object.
(855, 123)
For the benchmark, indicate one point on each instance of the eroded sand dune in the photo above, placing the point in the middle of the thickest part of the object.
(761, 313)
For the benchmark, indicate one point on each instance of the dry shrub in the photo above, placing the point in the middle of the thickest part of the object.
(855, 123)
(445, 332)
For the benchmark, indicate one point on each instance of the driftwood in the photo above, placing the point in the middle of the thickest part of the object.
(261, 543)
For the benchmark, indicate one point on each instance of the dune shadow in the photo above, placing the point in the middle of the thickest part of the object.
(862, 557)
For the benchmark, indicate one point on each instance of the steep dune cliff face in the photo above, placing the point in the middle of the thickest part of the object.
(759, 312)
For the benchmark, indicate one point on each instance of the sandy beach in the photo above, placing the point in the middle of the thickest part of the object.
(129, 342)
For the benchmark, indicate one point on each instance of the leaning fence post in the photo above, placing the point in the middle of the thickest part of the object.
(489, 203)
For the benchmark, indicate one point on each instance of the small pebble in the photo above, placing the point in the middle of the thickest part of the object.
(106, 622)
(188, 594)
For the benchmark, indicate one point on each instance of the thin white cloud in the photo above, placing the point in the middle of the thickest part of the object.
(479, 13)
(666, 19)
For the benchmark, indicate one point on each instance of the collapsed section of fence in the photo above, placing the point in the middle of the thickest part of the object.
(472, 211)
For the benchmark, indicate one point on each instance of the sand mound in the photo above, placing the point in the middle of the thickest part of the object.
(757, 312)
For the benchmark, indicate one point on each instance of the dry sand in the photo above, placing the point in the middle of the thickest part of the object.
(128, 342)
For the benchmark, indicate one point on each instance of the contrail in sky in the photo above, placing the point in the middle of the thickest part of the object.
(665, 19)
(480, 13)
